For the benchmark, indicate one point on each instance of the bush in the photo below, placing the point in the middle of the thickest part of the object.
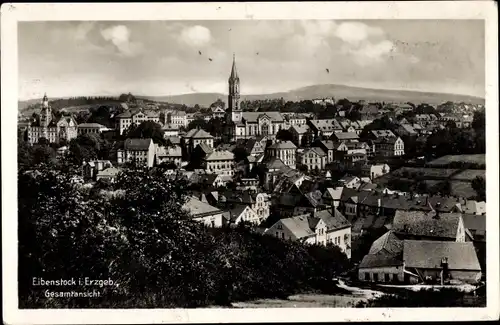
(140, 238)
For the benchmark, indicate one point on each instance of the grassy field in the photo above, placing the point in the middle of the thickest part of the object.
(414, 172)
(469, 174)
(474, 159)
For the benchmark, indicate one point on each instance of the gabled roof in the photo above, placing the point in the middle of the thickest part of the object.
(382, 133)
(283, 145)
(380, 259)
(220, 155)
(315, 150)
(92, 125)
(298, 226)
(389, 243)
(340, 136)
(334, 193)
(429, 255)
(137, 144)
(275, 163)
(421, 223)
(198, 134)
(333, 221)
(110, 171)
(196, 207)
(253, 117)
(474, 222)
(236, 212)
(300, 129)
(205, 148)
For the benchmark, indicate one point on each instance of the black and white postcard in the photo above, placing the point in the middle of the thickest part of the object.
(250, 162)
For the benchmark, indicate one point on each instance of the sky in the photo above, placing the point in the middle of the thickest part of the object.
(155, 58)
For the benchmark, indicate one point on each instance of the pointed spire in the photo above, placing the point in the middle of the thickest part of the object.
(234, 72)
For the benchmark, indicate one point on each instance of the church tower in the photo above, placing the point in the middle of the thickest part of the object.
(45, 116)
(234, 94)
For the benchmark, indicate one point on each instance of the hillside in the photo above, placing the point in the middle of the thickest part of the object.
(319, 91)
(310, 92)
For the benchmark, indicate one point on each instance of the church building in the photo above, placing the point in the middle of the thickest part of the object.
(51, 128)
(245, 125)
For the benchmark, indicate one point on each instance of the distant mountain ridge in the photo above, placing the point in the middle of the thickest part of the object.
(321, 91)
(312, 92)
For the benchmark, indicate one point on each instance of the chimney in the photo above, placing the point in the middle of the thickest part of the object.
(436, 210)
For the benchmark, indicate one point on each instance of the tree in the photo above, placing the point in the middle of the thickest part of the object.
(479, 185)
(284, 135)
(148, 129)
(479, 121)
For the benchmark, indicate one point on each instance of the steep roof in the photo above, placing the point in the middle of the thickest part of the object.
(198, 134)
(110, 171)
(383, 133)
(205, 148)
(429, 254)
(345, 136)
(275, 163)
(315, 150)
(388, 242)
(380, 259)
(421, 223)
(220, 155)
(298, 226)
(253, 117)
(326, 125)
(300, 129)
(196, 207)
(283, 145)
(333, 221)
(474, 222)
(137, 144)
(92, 125)
(237, 211)
(234, 72)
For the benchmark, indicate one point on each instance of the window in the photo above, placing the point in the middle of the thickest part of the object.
(367, 276)
(387, 277)
(375, 277)
(283, 235)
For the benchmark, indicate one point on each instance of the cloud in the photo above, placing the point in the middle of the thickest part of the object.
(119, 35)
(196, 36)
(83, 29)
(355, 32)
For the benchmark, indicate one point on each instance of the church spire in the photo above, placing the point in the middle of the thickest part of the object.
(234, 72)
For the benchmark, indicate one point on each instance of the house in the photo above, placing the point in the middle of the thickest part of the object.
(51, 128)
(406, 130)
(344, 136)
(131, 117)
(397, 260)
(433, 225)
(109, 173)
(332, 196)
(169, 155)
(324, 227)
(220, 162)
(350, 181)
(329, 147)
(389, 147)
(218, 111)
(194, 137)
(91, 168)
(285, 151)
(374, 171)
(140, 151)
(313, 158)
(204, 212)
(324, 128)
(376, 134)
(436, 259)
(170, 130)
(93, 128)
(243, 213)
(177, 118)
(299, 133)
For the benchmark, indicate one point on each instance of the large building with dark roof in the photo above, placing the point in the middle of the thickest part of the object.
(50, 127)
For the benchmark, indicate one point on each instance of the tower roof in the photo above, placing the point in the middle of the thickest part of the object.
(234, 72)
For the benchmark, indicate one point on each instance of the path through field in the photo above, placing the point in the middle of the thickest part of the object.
(355, 296)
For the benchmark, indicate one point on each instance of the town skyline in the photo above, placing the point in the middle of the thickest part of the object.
(92, 56)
